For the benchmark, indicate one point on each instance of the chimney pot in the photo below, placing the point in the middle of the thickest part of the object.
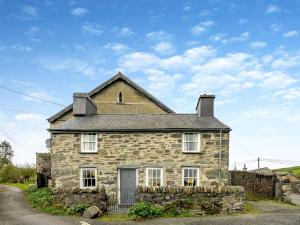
(205, 105)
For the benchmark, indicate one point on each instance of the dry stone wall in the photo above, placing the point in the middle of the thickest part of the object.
(137, 150)
(197, 200)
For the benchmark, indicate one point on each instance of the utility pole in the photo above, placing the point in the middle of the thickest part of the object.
(258, 160)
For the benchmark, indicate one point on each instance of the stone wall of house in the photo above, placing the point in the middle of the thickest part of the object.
(137, 150)
(72, 196)
(43, 169)
(257, 186)
(198, 200)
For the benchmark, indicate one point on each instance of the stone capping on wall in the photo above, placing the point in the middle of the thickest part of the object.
(78, 190)
(190, 190)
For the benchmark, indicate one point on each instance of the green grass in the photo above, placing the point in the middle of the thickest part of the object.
(114, 217)
(18, 185)
(295, 170)
(250, 209)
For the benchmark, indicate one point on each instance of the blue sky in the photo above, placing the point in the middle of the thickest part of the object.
(245, 52)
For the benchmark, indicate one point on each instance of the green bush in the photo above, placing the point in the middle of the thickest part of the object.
(40, 198)
(144, 210)
(76, 209)
(9, 174)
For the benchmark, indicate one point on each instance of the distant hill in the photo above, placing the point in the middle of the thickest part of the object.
(295, 170)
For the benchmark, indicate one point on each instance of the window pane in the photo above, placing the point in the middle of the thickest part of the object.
(158, 173)
(92, 173)
(186, 173)
(85, 183)
(150, 173)
(93, 182)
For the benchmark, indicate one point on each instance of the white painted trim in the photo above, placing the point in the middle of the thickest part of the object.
(119, 188)
(190, 167)
(161, 175)
(81, 144)
(199, 142)
(80, 176)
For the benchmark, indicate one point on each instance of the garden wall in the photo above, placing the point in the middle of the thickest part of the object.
(196, 200)
(71, 196)
(257, 186)
(43, 169)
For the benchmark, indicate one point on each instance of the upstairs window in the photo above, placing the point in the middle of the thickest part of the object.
(120, 98)
(154, 177)
(190, 176)
(89, 143)
(88, 177)
(191, 142)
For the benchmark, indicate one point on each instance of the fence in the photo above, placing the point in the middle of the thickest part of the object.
(121, 203)
(257, 186)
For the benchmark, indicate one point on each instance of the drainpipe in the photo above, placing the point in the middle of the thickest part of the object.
(220, 156)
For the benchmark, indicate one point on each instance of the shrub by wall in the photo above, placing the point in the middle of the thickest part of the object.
(195, 200)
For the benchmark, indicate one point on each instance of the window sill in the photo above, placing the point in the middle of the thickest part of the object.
(186, 152)
(88, 152)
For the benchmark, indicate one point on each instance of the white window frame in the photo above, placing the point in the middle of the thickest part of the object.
(161, 175)
(198, 175)
(81, 143)
(198, 139)
(81, 177)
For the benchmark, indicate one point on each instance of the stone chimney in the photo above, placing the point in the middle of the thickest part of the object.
(205, 106)
(83, 105)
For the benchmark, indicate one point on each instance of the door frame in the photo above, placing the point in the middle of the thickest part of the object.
(119, 179)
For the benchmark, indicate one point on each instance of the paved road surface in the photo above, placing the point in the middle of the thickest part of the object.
(295, 198)
(14, 210)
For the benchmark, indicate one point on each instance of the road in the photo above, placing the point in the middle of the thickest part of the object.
(14, 210)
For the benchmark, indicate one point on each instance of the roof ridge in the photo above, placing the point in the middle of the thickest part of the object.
(106, 83)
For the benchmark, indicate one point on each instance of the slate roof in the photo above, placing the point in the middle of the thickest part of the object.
(118, 76)
(140, 122)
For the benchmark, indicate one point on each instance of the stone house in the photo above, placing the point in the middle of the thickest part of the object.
(119, 136)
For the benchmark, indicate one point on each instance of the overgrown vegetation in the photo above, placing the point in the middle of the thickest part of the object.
(10, 173)
(294, 170)
(43, 200)
(144, 210)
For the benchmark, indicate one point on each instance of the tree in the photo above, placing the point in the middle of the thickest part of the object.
(6, 153)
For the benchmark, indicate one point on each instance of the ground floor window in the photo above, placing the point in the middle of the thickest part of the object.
(190, 176)
(88, 177)
(154, 177)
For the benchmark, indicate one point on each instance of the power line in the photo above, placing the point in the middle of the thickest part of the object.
(243, 147)
(22, 93)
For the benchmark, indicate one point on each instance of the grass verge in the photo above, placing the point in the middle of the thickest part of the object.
(294, 170)
(23, 186)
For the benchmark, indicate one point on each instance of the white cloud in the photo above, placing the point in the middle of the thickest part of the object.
(159, 36)
(164, 48)
(201, 27)
(277, 80)
(33, 31)
(123, 31)
(272, 9)
(21, 48)
(73, 65)
(258, 44)
(30, 117)
(30, 11)
(38, 94)
(117, 47)
(292, 33)
(242, 37)
(92, 29)
(138, 61)
(187, 8)
(160, 82)
(288, 94)
(78, 12)
(243, 21)
(275, 27)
